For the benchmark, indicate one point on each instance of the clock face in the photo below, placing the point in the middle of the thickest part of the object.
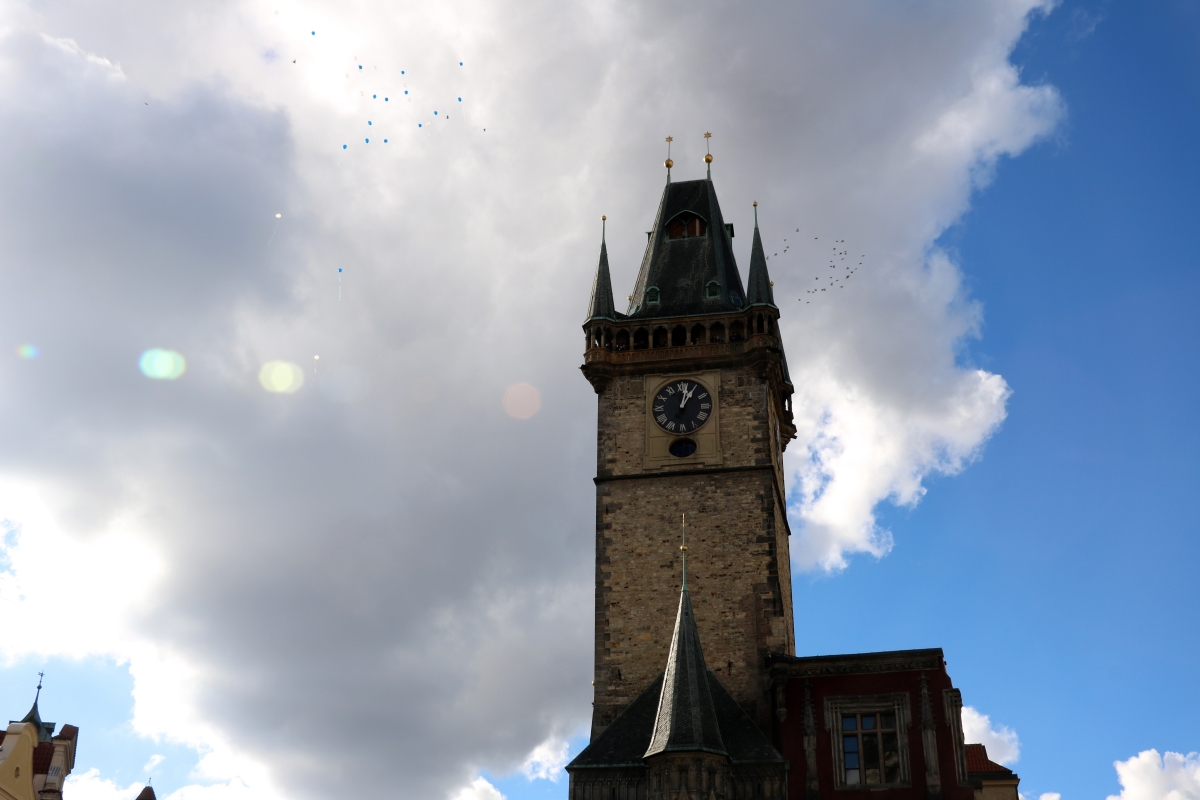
(682, 407)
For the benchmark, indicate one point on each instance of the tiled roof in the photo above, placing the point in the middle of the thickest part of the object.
(42, 755)
(147, 794)
(978, 761)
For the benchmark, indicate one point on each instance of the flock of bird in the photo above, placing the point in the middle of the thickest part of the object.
(837, 261)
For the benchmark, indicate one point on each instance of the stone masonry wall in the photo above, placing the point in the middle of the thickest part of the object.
(739, 572)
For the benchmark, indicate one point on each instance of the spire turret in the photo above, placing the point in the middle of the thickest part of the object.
(601, 305)
(45, 729)
(758, 282)
(687, 719)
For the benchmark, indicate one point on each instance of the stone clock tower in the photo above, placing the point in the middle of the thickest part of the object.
(694, 415)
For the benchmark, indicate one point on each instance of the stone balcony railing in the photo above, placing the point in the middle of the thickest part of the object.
(602, 355)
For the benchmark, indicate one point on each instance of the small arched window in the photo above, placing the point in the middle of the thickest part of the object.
(713, 289)
(652, 296)
(686, 226)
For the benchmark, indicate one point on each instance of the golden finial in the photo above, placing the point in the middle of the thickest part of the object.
(603, 218)
(707, 155)
(756, 204)
(669, 163)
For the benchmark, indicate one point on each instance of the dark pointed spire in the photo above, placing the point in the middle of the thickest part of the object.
(602, 306)
(45, 729)
(686, 720)
(758, 282)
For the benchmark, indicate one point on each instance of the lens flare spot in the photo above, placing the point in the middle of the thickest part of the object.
(27, 351)
(282, 377)
(522, 401)
(162, 365)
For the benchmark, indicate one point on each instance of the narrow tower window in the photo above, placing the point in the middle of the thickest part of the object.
(686, 226)
(652, 295)
(713, 289)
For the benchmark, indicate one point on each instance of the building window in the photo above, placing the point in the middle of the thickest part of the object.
(686, 226)
(713, 289)
(652, 296)
(870, 740)
(870, 749)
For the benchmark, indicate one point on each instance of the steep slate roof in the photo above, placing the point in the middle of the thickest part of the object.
(758, 282)
(686, 719)
(682, 268)
(147, 794)
(651, 725)
(624, 742)
(601, 305)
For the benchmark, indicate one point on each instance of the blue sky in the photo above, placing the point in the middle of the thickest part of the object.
(1057, 570)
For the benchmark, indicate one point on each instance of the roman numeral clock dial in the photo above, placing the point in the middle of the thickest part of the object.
(682, 407)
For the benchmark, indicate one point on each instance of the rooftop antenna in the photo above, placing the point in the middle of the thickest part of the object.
(707, 154)
(683, 547)
(603, 226)
(669, 163)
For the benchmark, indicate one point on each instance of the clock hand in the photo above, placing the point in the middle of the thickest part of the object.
(686, 396)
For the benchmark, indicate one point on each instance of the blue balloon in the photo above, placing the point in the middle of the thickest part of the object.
(385, 141)
(339, 269)
(401, 72)
(374, 96)
(360, 66)
(460, 99)
(385, 99)
(368, 141)
(368, 122)
(435, 113)
(460, 63)
(406, 91)
(314, 33)
(419, 125)
(343, 147)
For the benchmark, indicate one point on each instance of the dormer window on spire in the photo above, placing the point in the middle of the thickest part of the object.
(713, 289)
(686, 226)
(652, 296)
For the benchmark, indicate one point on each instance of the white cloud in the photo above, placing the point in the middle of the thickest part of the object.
(1050, 796)
(153, 763)
(1149, 776)
(1001, 742)
(546, 761)
(478, 789)
(278, 569)
(90, 786)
